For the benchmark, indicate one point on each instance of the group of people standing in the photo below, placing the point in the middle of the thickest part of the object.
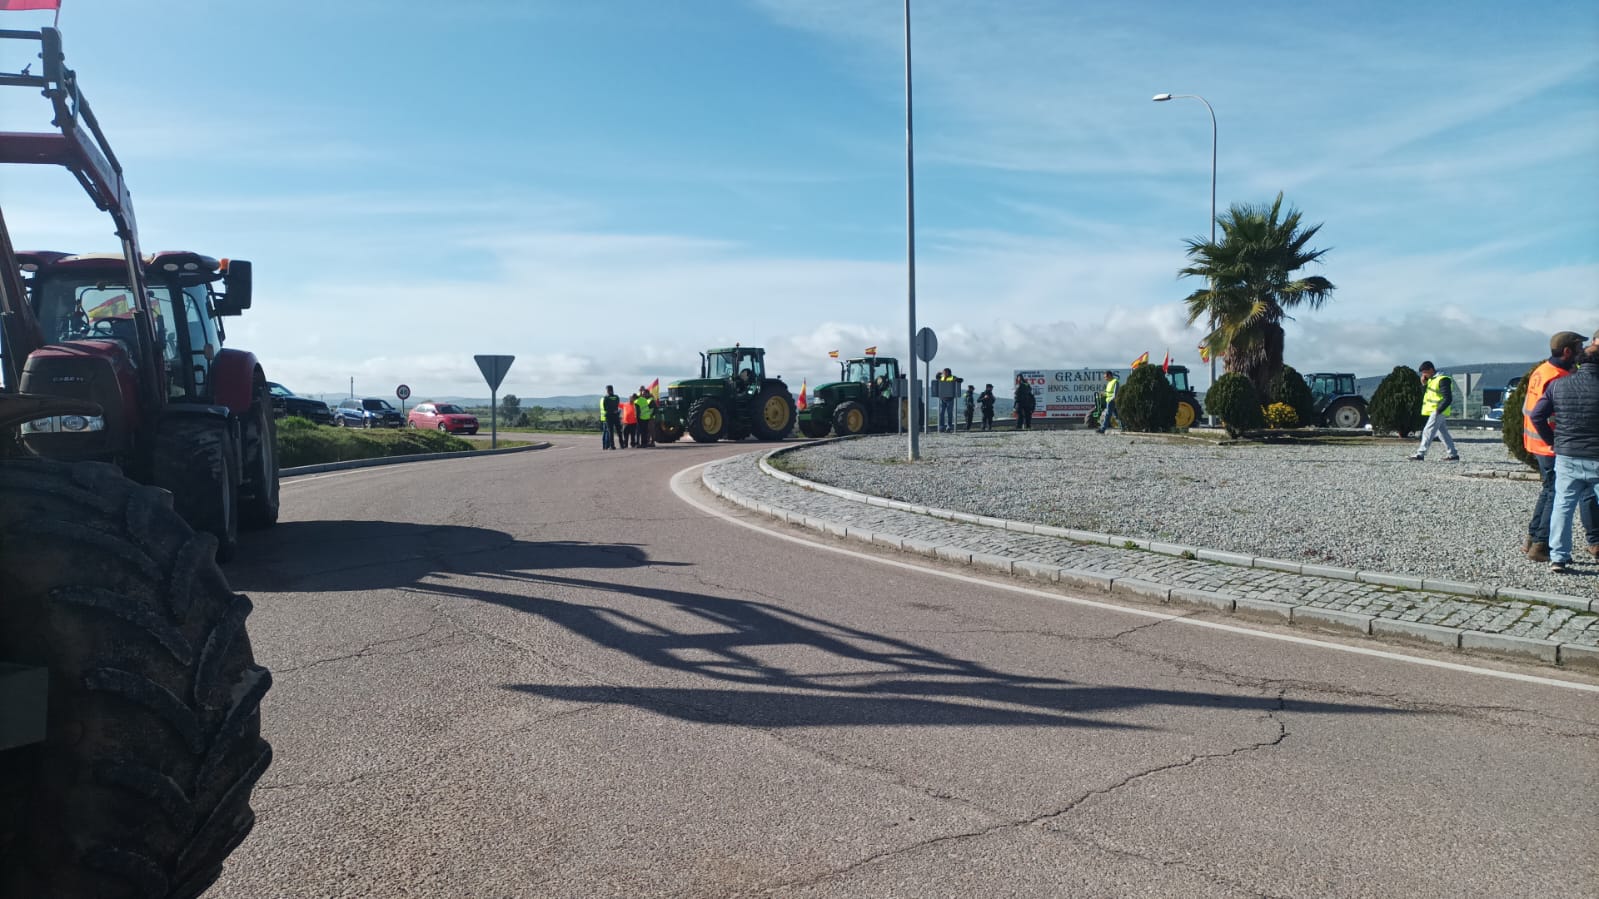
(1025, 404)
(1560, 428)
(629, 422)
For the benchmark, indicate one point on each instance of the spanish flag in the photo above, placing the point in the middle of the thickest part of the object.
(1141, 360)
(1204, 353)
(655, 388)
(871, 351)
(800, 403)
(832, 354)
(1166, 366)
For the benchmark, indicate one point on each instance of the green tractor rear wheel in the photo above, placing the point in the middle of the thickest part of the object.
(1186, 414)
(666, 432)
(774, 414)
(707, 420)
(813, 427)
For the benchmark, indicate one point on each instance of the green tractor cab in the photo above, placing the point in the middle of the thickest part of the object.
(1338, 403)
(731, 399)
(861, 401)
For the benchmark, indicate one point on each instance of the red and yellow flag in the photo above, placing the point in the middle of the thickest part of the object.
(655, 388)
(1204, 353)
(832, 354)
(1166, 366)
(871, 351)
(1141, 360)
(800, 403)
(30, 4)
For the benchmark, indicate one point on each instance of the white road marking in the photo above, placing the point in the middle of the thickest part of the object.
(684, 495)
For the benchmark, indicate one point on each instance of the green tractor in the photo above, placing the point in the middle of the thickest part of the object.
(860, 402)
(1188, 406)
(730, 400)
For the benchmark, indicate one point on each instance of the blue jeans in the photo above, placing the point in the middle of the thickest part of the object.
(1106, 416)
(946, 414)
(1542, 511)
(1574, 479)
(606, 439)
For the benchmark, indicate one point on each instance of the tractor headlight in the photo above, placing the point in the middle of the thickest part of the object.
(65, 424)
(40, 426)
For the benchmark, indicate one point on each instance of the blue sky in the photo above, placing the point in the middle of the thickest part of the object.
(604, 188)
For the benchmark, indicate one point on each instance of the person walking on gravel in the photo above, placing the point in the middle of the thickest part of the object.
(1024, 404)
(1111, 383)
(1565, 351)
(1572, 401)
(985, 401)
(610, 418)
(1436, 400)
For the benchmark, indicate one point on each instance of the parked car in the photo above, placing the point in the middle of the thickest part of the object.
(285, 403)
(368, 412)
(444, 417)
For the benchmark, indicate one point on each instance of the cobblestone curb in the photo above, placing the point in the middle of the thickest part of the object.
(396, 460)
(1520, 624)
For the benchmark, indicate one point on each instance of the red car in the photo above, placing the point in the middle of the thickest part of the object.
(443, 416)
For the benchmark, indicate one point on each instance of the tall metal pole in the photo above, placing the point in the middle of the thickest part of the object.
(1161, 98)
(914, 451)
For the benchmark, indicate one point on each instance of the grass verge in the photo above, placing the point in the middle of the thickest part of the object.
(301, 442)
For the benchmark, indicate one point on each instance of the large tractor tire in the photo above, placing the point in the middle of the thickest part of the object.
(707, 420)
(142, 786)
(194, 459)
(260, 491)
(774, 414)
(850, 418)
(667, 433)
(814, 428)
(1187, 413)
(736, 431)
(1347, 415)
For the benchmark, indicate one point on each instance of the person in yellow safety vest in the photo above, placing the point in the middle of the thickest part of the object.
(610, 418)
(1111, 383)
(646, 411)
(946, 404)
(1436, 401)
(1565, 351)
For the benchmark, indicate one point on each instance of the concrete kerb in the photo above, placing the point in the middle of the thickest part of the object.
(1546, 651)
(396, 460)
(1411, 582)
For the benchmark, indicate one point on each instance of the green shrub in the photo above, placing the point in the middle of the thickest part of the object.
(1511, 427)
(1289, 387)
(1280, 415)
(1396, 404)
(1147, 401)
(1233, 399)
(302, 445)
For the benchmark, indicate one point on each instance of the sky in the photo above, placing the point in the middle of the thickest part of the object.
(604, 188)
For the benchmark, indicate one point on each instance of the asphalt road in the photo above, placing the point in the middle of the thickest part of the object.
(551, 674)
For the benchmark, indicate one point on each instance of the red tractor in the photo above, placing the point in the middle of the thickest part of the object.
(141, 337)
(130, 729)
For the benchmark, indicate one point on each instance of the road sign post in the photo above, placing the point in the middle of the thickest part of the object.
(404, 393)
(494, 369)
(926, 347)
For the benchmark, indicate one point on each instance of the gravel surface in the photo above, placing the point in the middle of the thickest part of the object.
(1360, 505)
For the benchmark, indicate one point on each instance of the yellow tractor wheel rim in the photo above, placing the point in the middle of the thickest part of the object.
(856, 419)
(776, 413)
(711, 420)
(1185, 415)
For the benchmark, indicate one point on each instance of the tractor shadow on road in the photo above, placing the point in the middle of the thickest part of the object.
(337, 556)
(763, 665)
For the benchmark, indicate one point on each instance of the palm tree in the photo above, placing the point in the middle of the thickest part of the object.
(1250, 286)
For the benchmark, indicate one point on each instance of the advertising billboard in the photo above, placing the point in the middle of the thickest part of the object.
(1066, 393)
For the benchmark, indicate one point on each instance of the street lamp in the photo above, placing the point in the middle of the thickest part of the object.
(1162, 98)
(913, 452)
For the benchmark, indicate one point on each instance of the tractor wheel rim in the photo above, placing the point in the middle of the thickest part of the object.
(776, 413)
(711, 420)
(856, 420)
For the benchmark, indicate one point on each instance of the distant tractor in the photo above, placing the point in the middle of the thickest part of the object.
(730, 400)
(1188, 405)
(860, 402)
(1337, 403)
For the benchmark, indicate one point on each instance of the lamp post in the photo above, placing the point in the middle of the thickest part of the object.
(913, 451)
(1162, 98)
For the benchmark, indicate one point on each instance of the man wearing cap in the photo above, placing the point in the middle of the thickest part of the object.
(1565, 351)
(1572, 401)
(1437, 396)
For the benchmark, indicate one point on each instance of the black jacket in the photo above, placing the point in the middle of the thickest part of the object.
(1573, 403)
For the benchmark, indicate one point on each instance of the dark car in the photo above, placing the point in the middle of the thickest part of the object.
(286, 403)
(369, 412)
(444, 417)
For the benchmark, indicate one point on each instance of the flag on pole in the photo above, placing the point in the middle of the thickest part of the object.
(655, 388)
(1141, 360)
(832, 354)
(871, 351)
(1204, 353)
(19, 5)
(1166, 366)
(800, 403)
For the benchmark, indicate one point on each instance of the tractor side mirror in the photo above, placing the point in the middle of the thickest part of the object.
(237, 281)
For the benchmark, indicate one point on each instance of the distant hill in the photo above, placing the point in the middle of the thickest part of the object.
(587, 401)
